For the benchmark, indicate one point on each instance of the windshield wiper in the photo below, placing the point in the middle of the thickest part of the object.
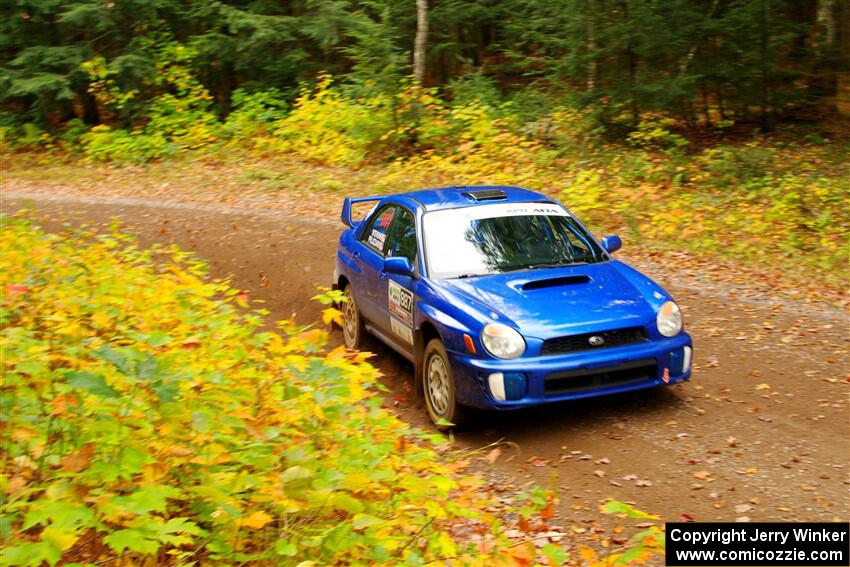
(553, 265)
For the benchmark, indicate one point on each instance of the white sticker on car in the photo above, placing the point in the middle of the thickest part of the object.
(508, 210)
(401, 303)
(376, 239)
(402, 330)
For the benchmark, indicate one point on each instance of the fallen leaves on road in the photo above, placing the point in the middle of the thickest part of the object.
(493, 455)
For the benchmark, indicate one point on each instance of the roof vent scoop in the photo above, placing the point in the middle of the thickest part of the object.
(485, 195)
(555, 282)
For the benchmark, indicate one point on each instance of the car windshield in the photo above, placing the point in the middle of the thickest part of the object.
(504, 237)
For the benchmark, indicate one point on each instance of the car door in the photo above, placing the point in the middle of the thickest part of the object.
(369, 257)
(395, 291)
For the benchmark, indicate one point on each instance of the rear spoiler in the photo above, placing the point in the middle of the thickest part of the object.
(346, 208)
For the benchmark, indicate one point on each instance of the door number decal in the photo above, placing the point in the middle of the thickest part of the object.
(401, 303)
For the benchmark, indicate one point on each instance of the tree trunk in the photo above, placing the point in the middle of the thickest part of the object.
(826, 21)
(421, 41)
(689, 57)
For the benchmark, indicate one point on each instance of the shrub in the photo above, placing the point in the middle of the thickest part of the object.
(146, 417)
(253, 113)
(328, 126)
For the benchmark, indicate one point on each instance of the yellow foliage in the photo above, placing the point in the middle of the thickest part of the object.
(181, 429)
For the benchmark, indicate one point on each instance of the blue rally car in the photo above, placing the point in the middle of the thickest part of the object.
(502, 299)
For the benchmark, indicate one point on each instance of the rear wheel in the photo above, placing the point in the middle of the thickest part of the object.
(352, 324)
(439, 386)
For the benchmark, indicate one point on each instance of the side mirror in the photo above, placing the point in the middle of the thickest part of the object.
(398, 265)
(611, 244)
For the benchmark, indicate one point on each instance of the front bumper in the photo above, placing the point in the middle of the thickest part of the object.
(576, 375)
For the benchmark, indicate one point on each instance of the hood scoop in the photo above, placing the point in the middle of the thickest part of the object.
(555, 282)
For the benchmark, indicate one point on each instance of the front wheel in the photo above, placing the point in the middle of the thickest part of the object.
(439, 385)
(352, 324)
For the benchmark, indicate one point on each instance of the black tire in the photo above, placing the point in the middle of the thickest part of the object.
(438, 385)
(352, 323)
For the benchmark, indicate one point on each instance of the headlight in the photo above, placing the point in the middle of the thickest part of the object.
(501, 341)
(669, 319)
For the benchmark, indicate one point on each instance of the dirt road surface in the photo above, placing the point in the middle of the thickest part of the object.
(761, 431)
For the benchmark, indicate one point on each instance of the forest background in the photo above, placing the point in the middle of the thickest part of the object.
(715, 126)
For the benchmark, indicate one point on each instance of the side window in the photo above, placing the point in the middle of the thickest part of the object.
(375, 235)
(401, 240)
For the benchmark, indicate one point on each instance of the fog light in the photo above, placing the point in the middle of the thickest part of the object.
(507, 385)
(680, 360)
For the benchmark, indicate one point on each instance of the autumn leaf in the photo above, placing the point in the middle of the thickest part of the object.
(255, 520)
(78, 461)
(493, 455)
(63, 538)
(521, 555)
(15, 484)
(332, 315)
(588, 554)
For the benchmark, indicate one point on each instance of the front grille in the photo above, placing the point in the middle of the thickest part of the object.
(576, 343)
(581, 380)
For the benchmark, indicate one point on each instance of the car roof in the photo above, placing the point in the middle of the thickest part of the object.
(469, 196)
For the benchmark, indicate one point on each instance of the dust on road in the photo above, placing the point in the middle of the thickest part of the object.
(761, 431)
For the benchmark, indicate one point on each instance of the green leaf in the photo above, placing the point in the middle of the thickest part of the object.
(166, 391)
(91, 383)
(31, 367)
(133, 460)
(158, 339)
(285, 548)
(343, 501)
(443, 483)
(118, 359)
(617, 507)
(149, 499)
(132, 539)
(34, 553)
(555, 554)
(361, 521)
(296, 473)
(6, 521)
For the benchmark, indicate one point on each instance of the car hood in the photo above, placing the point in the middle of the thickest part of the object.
(552, 302)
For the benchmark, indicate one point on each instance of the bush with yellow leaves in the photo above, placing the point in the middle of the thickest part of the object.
(147, 419)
